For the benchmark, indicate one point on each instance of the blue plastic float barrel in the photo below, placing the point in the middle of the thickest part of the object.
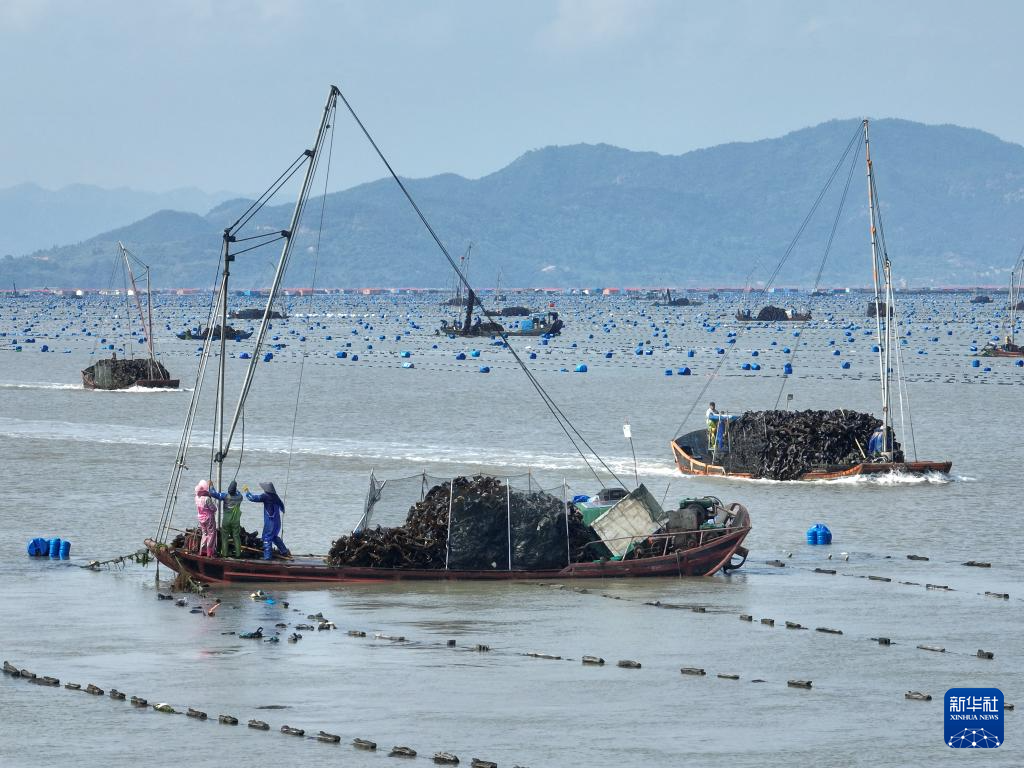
(54, 549)
(65, 549)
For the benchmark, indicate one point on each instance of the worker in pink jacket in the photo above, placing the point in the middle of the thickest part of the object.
(206, 510)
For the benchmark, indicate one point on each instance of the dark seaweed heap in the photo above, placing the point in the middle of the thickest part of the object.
(782, 445)
(484, 512)
(252, 544)
(121, 374)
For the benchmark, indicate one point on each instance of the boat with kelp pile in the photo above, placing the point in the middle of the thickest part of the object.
(773, 314)
(122, 373)
(794, 445)
(818, 445)
(480, 527)
(1009, 346)
(487, 528)
(255, 313)
(202, 333)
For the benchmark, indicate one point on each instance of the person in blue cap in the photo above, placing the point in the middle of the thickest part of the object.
(273, 508)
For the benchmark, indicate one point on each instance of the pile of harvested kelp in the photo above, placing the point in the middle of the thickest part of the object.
(489, 522)
(782, 445)
(121, 374)
(252, 543)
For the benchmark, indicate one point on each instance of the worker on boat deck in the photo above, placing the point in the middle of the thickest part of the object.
(231, 527)
(206, 511)
(716, 427)
(876, 443)
(273, 508)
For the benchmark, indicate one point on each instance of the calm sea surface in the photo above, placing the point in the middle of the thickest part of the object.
(92, 467)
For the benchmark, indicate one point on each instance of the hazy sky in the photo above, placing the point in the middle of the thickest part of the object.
(220, 94)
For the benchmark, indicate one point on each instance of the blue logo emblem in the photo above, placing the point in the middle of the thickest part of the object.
(974, 718)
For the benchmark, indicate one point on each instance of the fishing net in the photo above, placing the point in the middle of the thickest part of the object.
(466, 523)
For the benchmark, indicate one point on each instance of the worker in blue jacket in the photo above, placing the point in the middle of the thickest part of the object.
(273, 508)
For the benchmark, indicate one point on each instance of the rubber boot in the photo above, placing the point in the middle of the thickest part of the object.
(268, 550)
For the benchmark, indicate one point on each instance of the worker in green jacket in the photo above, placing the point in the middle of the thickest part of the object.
(231, 528)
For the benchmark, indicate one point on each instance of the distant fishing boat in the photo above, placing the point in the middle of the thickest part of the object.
(254, 313)
(122, 373)
(1009, 346)
(772, 314)
(634, 537)
(709, 452)
(201, 333)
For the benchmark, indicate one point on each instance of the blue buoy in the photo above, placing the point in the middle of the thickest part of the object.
(267, 357)
(341, 355)
(787, 369)
(405, 354)
(39, 547)
(975, 363)
(44, 348)
(460, 355)
(581, 368)
(846, 365)
(608, 355)
(244, 356)
(474, 353)
(684, 371)
(1019, 363)
(754, 353)
(668, 371)
(485, 369)
(690, 353)
(755, 366)
(408, 365)
(65, 550)
(354, 358)
(745, 366)
(533, 355)
(54, 549)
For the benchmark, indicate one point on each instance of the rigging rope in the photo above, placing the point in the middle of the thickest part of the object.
(771, 278)
(312, 294)
(821, 267)
(563, 421)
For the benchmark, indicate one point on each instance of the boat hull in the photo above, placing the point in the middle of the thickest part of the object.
(1002, 352)
(703, 560)
(689, 465)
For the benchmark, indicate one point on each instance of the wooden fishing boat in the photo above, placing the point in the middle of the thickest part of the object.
(633, 538)
(691, 460)
(1009, 347)
(113, 373)
(694, 456)
(200, 334)
(772, 314)
(715, 551)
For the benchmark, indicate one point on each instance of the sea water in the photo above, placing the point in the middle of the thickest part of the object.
(92, 467)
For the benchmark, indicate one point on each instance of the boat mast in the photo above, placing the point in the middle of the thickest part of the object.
(882, 286)
(312, 157)
(218, 459)
(1016, 278)
(138, 302)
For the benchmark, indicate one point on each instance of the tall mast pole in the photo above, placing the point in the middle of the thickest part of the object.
(883, 351)
(138, 301)
(221, 370)
(289, 237)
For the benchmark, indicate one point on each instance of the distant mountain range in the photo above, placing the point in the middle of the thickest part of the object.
(952, 202)
(32, 218)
